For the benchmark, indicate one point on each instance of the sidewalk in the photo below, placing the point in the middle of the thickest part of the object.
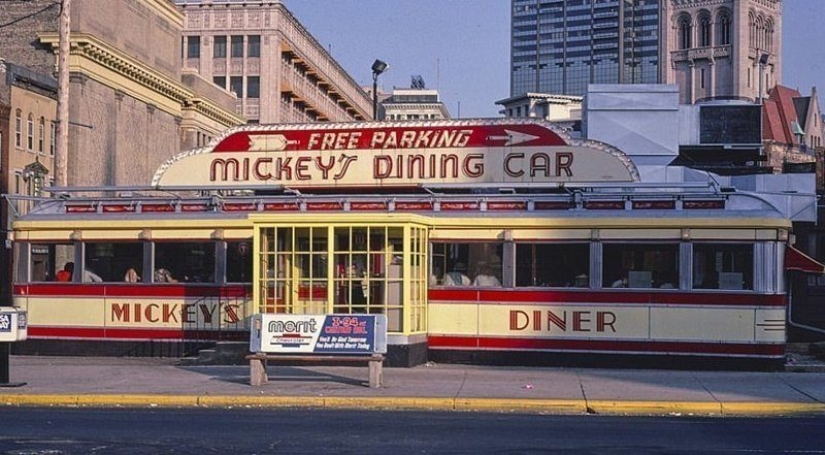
(107, 381)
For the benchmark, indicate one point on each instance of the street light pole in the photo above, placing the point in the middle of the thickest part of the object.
(378, 67)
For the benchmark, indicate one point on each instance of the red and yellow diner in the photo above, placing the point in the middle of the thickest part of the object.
(499, 241)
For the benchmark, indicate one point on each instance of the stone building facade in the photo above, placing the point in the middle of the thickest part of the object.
(722, 48)
(131, 107)
(259, 51)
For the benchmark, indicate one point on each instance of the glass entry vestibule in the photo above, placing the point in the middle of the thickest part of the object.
(323, 268)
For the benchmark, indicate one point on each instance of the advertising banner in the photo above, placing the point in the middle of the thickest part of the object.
(320, 334)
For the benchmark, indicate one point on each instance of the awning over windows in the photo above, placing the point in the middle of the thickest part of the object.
(797, 260)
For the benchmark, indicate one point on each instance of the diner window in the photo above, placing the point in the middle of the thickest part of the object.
(48, 262)
(466, 264)
(640, 265)
(114, 262)
(237, 46)
(219, 50)
(239, 261)
(193, 47)
(366, 272)
(552, 264)
(184, 261)
(722, 266)
(253, 46)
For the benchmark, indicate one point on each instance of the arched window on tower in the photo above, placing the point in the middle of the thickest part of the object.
(685, 32)
(768, 45)
(723, 31)
(752, 31)
(760, 32)
(704, 31)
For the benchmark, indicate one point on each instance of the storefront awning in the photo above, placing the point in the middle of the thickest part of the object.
(797, 260)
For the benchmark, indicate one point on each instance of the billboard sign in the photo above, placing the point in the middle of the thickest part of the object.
(319, 334)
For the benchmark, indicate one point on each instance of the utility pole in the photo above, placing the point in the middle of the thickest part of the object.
(61, 152)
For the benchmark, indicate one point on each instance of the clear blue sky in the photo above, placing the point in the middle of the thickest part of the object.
(462, 47)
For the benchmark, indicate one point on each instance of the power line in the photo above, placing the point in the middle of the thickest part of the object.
(30, 15)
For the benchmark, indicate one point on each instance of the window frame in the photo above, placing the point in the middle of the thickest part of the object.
(219, 47)
(193, 46)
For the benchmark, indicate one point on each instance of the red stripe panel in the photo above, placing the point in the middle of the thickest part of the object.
(538, 297)
(130, 290)
(653, 347)
(123, 333)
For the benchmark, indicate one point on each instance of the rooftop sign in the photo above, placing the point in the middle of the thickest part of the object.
(396, 154)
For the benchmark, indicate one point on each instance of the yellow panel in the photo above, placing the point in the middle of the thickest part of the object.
(453, 319)
(722, 234)
(62, 311)
(766, 234)
(50, 236)
(129, 234)
(641, 234)
(702, 324)
(337, 218)
(468, 234)
(184, 234)
(239, 234)
(551, 234)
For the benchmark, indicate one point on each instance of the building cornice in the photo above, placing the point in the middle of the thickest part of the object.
(120, 71)
(167, 10)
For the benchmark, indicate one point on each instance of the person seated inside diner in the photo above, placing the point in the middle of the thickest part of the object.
(620, 282)
(65, 275)
(91, 277)
(163, 275)
(485, 277)
(131, 276)
(457, 277)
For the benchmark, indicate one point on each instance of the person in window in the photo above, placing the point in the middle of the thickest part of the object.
(65, 275)
(668, 281)
(485, 277)
(356, 288)
(163, 275)
(621, 282)
(131, 276)
(457, 277)
(91, 277)
(435, 276)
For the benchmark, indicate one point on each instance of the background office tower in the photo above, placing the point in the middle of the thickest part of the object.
(710, 48)
(560, 46)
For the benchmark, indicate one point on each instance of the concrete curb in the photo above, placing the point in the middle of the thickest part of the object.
(500, 405)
